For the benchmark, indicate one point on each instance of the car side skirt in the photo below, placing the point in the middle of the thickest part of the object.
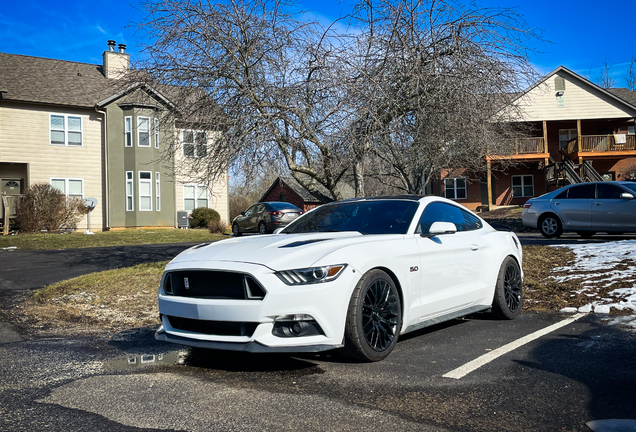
(251, 347)
(446, 317)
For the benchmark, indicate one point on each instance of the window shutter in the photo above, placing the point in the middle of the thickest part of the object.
(559, 83)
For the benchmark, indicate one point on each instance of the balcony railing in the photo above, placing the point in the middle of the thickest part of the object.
(529, 145)
(601, 143)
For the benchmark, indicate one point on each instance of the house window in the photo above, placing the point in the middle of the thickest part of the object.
(143, 131)
(157, 192)
(194, 196)
(156, 127)
(630, 130)
(145, 190)
(522, 186)
(195, 144)
(565, 136)
(66, 130)
(128, 131)
(69, 187)
(455, 188)
(130, 201)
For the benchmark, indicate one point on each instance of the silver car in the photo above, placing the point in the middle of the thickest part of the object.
(585, 208)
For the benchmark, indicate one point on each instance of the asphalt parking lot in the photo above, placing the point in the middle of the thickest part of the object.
(443, 378)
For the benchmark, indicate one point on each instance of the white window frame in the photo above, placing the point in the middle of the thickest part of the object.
(195, 151)
(66, 185)
(66, 130)
(128, 134)
(139, 132)
(142, 181)
(523, 185)
(156, 132)
(455, 188)
(158, 191)
(130, 197)
(197, 189)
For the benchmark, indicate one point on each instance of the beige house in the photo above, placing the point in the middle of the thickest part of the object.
(88, 132)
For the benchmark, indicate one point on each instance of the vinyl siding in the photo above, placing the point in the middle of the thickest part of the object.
(582, 101)
(24, 138)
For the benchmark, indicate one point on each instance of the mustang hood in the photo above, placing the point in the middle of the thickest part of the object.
(277, 252)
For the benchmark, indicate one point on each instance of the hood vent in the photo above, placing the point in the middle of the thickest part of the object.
(302, 243)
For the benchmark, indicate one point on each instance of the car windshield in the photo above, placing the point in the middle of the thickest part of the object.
(366, 217)
(631, 186)
(282, 206)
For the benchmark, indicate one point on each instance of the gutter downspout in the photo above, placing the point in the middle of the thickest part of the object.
(106, 183)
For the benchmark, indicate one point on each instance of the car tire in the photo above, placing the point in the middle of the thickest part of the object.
(262, 229)
(508, 298)
(550, 226)
(236, 231)
(374, 318)
(586, 234)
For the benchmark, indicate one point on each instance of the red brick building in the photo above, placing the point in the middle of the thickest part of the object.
(581, 133)
(287, 189)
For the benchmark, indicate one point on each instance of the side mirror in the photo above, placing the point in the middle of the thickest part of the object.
(626, 195)
(242, 213)
(440, 228)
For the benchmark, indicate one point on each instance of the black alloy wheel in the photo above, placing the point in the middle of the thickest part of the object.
(374, 318)
(236, 231)
(261, 228)
(508, 298)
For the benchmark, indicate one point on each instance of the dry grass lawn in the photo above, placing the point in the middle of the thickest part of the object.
(116, 300)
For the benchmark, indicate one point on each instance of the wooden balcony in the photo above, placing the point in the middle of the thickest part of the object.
(601, 143)
(529, 145)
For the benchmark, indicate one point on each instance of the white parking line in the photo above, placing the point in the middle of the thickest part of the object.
(464, 370)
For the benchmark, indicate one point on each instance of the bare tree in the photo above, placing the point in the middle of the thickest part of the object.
(605, 80)
(410, 88)
(631, 74)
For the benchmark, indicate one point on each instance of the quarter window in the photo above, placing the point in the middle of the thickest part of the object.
(145, 191)
(455, 188)
(130, 200)
(65, 130)
(194, 196)
(143, 131)
(523, 186)
(69, 187)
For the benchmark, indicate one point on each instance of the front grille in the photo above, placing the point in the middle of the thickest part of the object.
(211, 284)
(218, 328)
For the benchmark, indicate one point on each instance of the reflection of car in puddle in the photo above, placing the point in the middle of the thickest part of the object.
(143, 360)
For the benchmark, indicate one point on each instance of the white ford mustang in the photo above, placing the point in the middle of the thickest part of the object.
(351, 274)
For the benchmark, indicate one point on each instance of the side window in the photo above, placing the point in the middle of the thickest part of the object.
(442, 212)
(585, 191)
(606, 191)
(562, 195)
(250, 211)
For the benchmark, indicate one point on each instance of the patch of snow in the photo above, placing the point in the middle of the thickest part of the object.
(602, 309)
(569, 310)
(585, 309)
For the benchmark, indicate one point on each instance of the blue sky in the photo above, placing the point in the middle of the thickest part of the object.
(583, 34)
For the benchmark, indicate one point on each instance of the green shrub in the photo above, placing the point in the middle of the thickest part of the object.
(201, 217)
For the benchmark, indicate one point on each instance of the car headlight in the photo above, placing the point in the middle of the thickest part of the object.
(310, 275)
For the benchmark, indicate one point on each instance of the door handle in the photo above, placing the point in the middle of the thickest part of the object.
(597, 203)
(557, 203)
(474, 247)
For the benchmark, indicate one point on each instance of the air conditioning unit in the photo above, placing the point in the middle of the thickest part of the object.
(182, 219)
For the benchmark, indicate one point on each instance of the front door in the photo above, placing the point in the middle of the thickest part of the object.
(610, 211)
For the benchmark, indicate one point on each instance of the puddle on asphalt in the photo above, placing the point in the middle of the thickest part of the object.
(136, 361)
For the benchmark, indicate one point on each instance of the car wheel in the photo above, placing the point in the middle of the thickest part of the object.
(586, 234)
(508, 297)
(261, 228)
(236, 230)
(550, 226)
(374, 318)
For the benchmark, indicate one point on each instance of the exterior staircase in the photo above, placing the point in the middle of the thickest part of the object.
(566, 172)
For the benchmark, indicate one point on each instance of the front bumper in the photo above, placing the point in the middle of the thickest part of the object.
(326, 303)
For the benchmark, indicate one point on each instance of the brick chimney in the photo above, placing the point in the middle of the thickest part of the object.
(115, 63)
